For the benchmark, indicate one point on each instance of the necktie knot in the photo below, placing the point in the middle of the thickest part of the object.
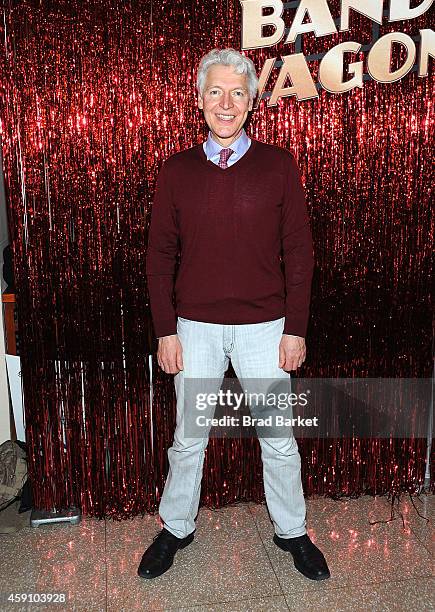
(224, 156)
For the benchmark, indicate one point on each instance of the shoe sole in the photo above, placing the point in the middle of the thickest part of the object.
(322, 577)
(149, 577)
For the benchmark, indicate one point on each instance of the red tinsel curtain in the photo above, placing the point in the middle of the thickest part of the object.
(94, 96)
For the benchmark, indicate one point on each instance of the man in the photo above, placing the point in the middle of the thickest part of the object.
(231, 206)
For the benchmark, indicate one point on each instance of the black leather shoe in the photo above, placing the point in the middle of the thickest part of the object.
(159, 556)
(308, 559)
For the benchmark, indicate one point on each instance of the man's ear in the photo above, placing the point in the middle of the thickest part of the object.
(251, 102)
(200, 102)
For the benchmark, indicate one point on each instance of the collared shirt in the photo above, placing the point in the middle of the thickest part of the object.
(212, 148)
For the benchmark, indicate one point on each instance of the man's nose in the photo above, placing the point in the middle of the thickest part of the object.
(226, 101)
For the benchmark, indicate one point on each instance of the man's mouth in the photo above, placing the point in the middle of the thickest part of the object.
(227, 118)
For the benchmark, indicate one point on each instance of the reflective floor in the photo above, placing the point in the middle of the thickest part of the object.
(232, 563)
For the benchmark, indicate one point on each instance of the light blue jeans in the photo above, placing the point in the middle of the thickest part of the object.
(254, 353)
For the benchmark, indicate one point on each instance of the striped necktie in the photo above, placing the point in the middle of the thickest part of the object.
(223, 158)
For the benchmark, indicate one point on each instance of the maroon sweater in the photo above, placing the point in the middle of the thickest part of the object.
(231, 227)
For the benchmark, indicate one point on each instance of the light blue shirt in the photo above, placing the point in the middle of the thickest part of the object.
(212, 151)
(212, 148)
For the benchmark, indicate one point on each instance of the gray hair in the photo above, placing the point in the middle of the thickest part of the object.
(228, 57)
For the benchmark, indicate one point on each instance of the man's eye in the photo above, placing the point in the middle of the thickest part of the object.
(238, 93)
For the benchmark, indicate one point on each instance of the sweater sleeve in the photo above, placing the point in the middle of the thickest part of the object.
(163, 244)
(297, 251)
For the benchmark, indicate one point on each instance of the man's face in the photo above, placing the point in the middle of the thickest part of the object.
(225, 102)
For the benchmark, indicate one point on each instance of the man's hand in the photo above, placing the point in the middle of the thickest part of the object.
(292, 352)
(170, 354)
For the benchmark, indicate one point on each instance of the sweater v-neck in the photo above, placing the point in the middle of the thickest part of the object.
(214, 167)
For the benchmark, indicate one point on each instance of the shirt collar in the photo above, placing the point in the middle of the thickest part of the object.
(213, 148)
